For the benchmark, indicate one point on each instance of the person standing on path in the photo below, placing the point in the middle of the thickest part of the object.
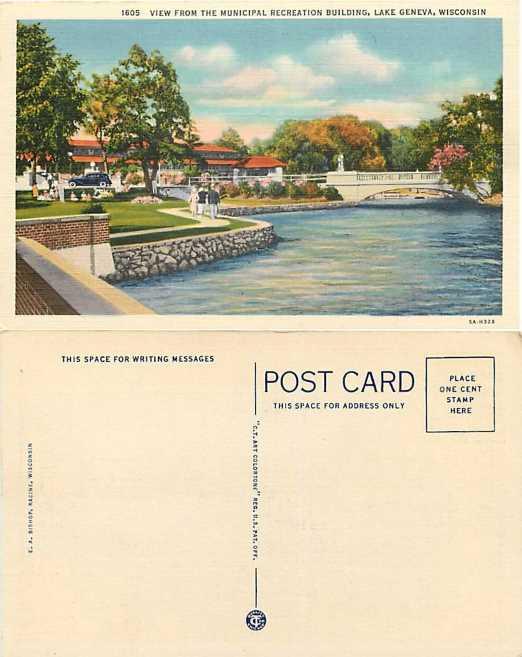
(193, 201)
(213, 199)
(202, 200)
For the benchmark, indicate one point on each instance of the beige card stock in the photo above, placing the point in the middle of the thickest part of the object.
(261, 494)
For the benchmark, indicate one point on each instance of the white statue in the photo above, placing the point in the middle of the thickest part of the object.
(340, 162)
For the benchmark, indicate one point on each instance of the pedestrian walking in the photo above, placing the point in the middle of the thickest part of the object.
(193, 201)
(202, 200)
(213, 200)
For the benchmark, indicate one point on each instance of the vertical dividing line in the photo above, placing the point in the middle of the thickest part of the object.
(255, 588)
(255, 388)
(91, 247)
(426, 394)
(494, 396)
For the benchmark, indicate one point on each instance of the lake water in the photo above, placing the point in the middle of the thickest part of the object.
(404, 257)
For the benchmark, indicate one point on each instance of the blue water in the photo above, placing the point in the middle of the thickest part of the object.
(404, 257)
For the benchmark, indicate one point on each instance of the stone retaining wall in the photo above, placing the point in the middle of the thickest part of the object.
(244, 210)
(182, 253)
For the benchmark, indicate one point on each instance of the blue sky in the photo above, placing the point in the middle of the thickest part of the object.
(253, 74)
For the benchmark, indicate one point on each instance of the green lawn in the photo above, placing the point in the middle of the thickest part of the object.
(189, 232)
(124, 215)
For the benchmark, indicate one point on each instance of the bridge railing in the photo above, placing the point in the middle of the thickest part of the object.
(266, 179)
(399, 176)
(367, 177)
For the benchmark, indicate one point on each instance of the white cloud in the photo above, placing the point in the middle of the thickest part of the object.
(281, 82)
(391, 113)
(299, 78)
(270, 99)
(345, 56)
(408, 111)
(453, 90)
(248, 79)
(210, 128)
(220, 56)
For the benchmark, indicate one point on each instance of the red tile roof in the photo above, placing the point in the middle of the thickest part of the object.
(92, 143)
(226, 163)
(262, 162)
(213, 148)
(93, 158)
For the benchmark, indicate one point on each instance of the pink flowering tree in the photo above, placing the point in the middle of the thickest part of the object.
(456, 164)
(445, 157)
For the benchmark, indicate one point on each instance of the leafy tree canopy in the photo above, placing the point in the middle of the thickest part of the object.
(151, 120)
(313, 146)
(475, 123)
(101, 110)
(232, 139)
(49, 99)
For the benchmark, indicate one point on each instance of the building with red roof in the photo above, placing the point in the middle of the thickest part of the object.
(261, 165)
(223, 160)
(87, 150)
(218, 160)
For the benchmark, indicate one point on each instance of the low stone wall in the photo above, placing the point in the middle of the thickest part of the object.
(182, 253)
(244, 210)
(82, 239)
(47, 284)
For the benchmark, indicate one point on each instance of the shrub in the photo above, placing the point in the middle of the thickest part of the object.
(244, 189)
(146, 200)
(311, 189)
(275, 189)
(294, 191)
(191, 171)
(258, 189)
(231, 190)
(133, 178)
(93, 208)
(331, 194)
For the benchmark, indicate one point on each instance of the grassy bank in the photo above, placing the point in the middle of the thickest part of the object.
(124, 215)
(146, 238)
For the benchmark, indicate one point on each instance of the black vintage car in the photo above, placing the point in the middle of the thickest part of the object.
(91, 180)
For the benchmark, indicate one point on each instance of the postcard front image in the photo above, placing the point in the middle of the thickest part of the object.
(360, 172)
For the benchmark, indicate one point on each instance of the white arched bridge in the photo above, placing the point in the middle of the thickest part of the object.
(353, 186)
(356, 186)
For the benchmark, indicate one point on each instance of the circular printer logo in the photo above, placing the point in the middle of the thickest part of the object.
(255, 620)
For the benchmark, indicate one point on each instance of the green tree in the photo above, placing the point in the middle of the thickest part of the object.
(100, 111)
(427, 139)
(303, 154)
(232, 139)
(476, 124)
(403, 151)
(259, 146)
(383, 137)
(49, 100)
(152, 119)
(313, 146)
